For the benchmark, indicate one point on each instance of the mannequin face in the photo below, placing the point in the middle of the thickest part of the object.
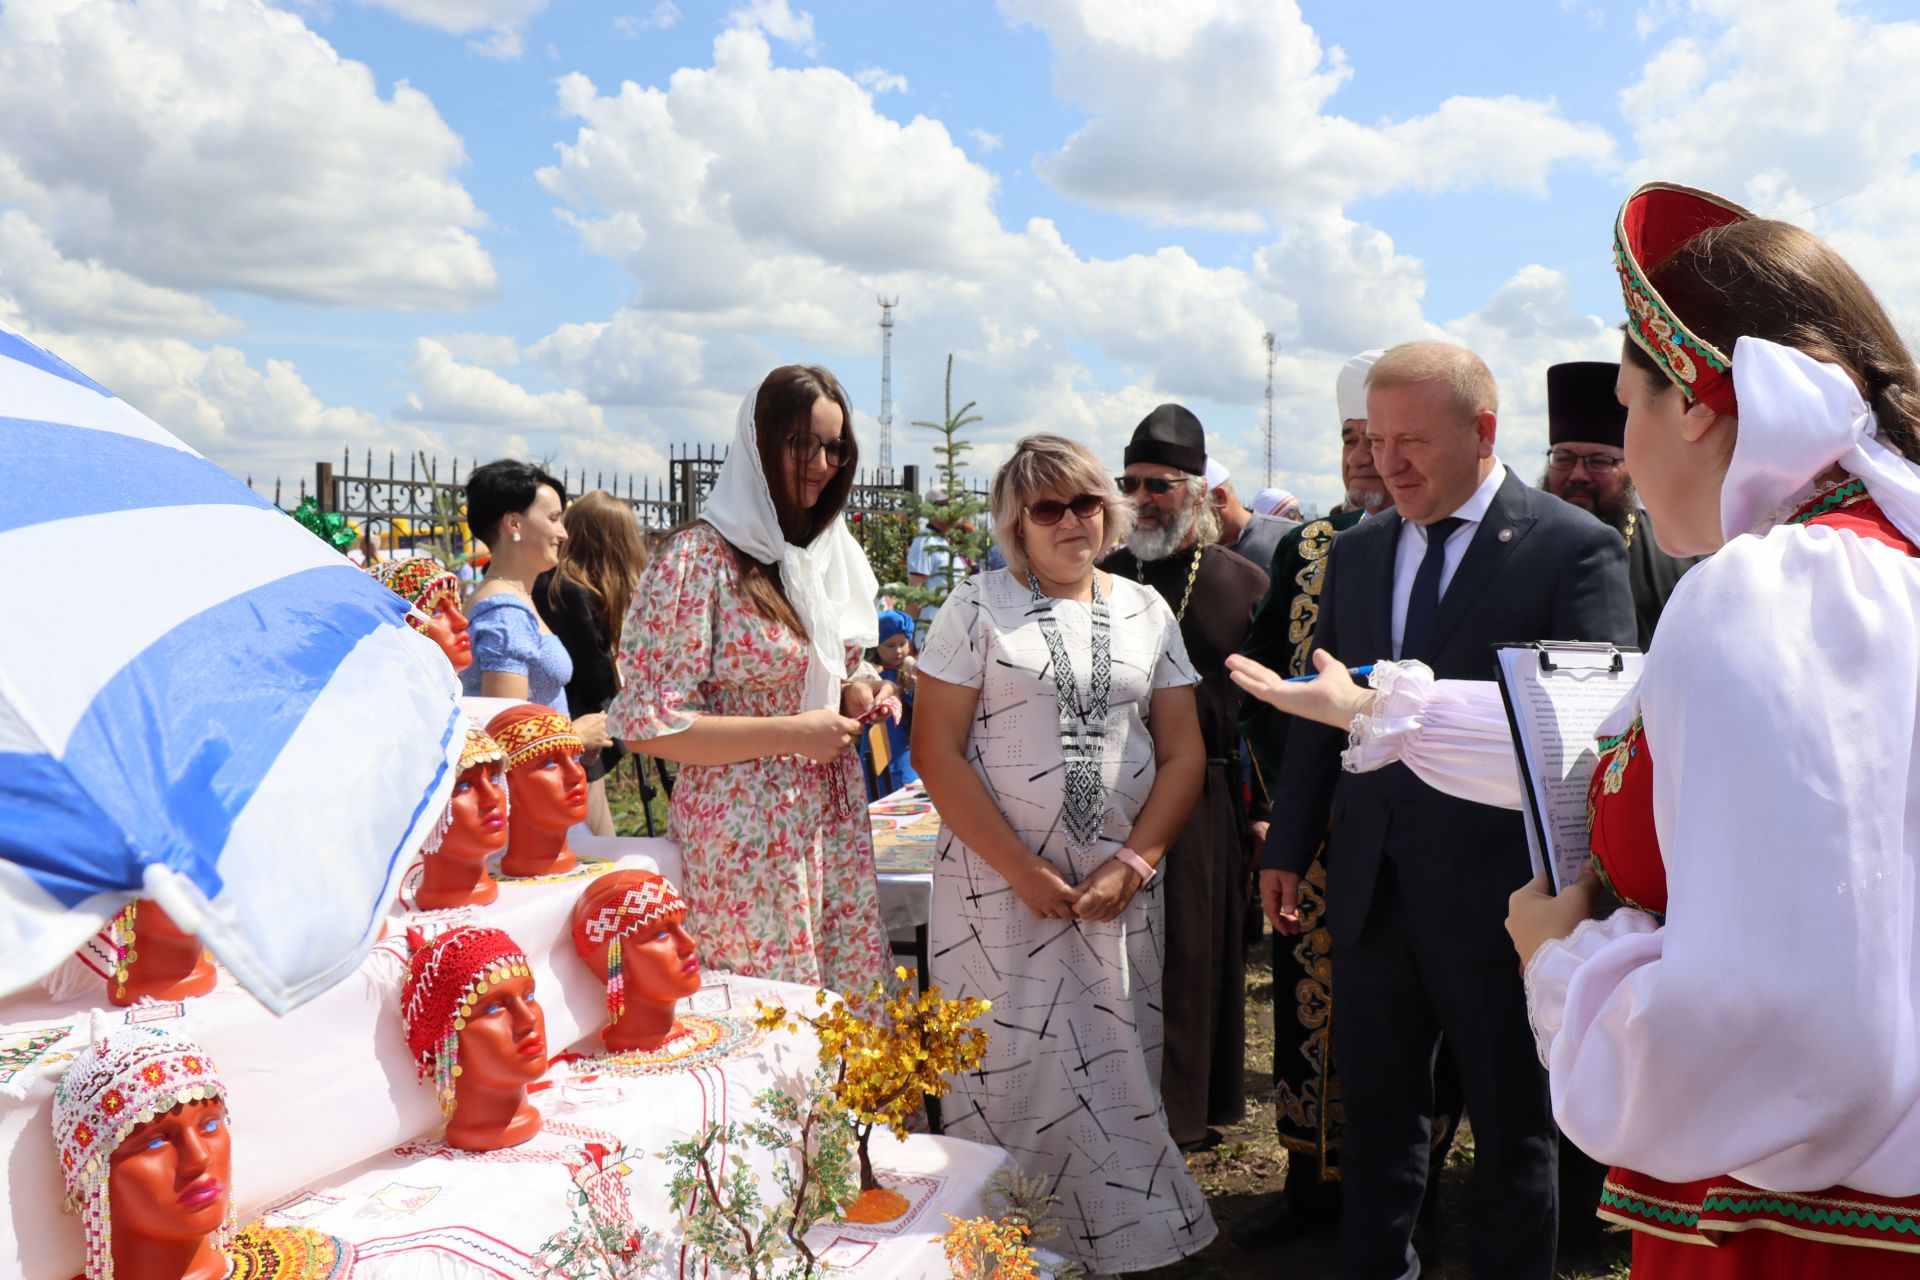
(551, 793)
(479, 815)
(504, 1044)
(170, 1180)
(448, 629)
(659, 965)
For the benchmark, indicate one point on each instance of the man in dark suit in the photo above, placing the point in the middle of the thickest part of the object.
(1417, 881)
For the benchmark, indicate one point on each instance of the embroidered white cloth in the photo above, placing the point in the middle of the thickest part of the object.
(828, 582)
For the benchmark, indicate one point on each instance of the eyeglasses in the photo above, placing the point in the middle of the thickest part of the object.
(806, 446)
(1598, 464)
(1155, 485)
(1049, 510)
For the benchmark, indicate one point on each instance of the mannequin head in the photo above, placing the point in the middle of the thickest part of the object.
(548, 787)
(155, 957)
(434, 594)
(477, 1032)
(630, 928)
(140, 1122)
(472, 828)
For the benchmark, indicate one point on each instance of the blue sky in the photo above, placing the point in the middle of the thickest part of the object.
(443, 224)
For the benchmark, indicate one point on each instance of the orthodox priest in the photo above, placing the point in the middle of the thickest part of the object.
(1307, 1108)
(1213, 593)
(1587, 466)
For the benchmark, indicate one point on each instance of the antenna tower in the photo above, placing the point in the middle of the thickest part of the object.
(886, 384)
(1271, 346)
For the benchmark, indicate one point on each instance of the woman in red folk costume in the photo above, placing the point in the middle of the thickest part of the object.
(140, 1120)
(476, 1031)
(433, 593)
(1729, 1006)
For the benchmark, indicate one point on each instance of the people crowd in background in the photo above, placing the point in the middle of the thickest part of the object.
(1139, 696)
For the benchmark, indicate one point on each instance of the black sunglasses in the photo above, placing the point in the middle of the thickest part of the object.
(1155, 485)
(805, 447)
(1049, 510)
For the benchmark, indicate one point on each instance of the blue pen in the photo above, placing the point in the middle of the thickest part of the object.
(1355, 672)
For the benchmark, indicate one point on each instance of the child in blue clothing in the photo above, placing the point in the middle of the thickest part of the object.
(894, 657)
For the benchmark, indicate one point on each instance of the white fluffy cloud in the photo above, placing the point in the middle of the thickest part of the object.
(503, 22)
(778, 19)
(1215, 111)
(1800, 109)
(879, 80)
(87, 297)
(175, 140)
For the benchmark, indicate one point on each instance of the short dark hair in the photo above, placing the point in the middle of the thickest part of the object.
(502, 486)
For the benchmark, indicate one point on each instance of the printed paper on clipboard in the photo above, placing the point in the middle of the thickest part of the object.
(1557, 695)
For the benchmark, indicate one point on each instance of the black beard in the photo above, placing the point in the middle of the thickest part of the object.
(1616, 511)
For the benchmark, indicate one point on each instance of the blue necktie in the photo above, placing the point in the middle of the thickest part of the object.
(1425, 600)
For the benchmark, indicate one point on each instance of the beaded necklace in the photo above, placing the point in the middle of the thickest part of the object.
(1193, 575)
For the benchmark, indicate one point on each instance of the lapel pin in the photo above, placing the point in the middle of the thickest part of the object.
(1506, 535)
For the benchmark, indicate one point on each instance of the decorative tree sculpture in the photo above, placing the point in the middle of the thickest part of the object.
(889, 1065)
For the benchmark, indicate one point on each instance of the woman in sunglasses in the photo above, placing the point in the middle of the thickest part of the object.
(737, 657)
(1055, 710)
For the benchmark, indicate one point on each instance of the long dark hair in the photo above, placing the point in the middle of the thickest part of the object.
(1766, 279)
(603, 555)
(782, 410)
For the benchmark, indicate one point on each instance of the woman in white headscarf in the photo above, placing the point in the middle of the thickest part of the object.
(738, 657)
(1729, 1008)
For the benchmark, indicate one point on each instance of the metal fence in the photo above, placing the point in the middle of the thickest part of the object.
(426, 499)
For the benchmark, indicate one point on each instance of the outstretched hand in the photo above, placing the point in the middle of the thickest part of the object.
(1331, 699)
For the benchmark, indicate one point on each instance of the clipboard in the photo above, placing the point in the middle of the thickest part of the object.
(1557, 694)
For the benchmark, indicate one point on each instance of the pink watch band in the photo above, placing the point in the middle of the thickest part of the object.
(1138, 864)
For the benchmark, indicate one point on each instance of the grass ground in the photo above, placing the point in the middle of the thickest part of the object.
(1249, 1163)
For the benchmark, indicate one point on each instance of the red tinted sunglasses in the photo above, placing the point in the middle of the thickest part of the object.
(1049, 510)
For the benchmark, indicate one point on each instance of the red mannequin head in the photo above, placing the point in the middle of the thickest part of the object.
(629, 926)
(156, 958)
(472, 828)
(548, 785)
(140, 1119)
(476, 1030)
(434, 594)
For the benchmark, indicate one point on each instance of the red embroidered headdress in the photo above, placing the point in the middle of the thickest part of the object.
(422, 582)
(618, 906)
(445, 978)
(529, 732)
(1656, 220)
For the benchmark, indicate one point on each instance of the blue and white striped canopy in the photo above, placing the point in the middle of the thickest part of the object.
(200, 702)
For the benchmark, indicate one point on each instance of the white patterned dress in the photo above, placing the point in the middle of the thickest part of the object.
(1071, 1081)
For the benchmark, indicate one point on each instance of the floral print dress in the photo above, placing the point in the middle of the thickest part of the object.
(778, 851)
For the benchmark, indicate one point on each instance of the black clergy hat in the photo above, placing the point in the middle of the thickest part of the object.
(1581, 406)
(1172, 437)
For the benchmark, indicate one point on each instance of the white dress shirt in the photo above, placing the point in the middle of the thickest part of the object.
(1413, 547)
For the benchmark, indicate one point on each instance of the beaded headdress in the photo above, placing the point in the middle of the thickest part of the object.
(646, 900)
(422, 582)
(1654, 222)
(480, 748)
(445, 978)
(534, 737)
(119, 1082)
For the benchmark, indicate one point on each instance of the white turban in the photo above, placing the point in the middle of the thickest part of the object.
(1351, 387)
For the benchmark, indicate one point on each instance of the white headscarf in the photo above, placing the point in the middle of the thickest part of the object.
(829, 584)
(1350, 388)
(1799, 416)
